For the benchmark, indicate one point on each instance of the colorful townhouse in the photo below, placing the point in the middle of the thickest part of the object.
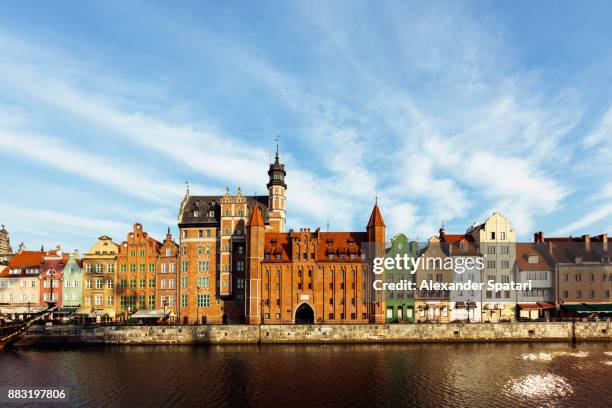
(167, 279)
(466, 304)
(400, 304)
(136, 273)
(583, 274)
(51, 276)
(73, 282)
(497, 242)
(535, 264)
(99, 281)
(433, 305)
(20, 284)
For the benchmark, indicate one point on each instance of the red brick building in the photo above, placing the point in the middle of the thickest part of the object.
(237, 263)
(135, 283)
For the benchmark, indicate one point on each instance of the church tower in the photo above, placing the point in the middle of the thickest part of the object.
(276, 195)
(6, 252)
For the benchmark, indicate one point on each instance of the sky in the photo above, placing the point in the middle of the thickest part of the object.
(444, 111)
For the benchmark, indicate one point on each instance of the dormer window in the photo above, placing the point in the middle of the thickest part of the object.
(605, 259)
(211, 214)
(278, 257)
(196, 213)
(330, 257)
(533, 259)
(463, 246)
(267, 257)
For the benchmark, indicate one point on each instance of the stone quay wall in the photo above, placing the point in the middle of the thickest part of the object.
(284, 334)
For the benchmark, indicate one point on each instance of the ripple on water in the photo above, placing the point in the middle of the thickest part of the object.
(539, 386)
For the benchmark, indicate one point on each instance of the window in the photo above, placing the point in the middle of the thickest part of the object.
(132, 267)
(171, 268)
(208, 233)
(142, 283)
(109, 284)
(203, 283)
(200, 233)
(163, 284)
(141, 302)
(88, 300)
(533, 259)
(578, 277)
(151, 302)
(123, 283)
(240, 283)
(184, 249)
(578, 294)
(505, 264)
(502, 235)
(184, 266)
(122, 268)
(109, 301)
(203, 300)
(132, 283)
(240, 266)
(142, 267)
(87, 283)
(168, 252)
(591, 294)
(163, 268)
(151, 283)
(202, 266)
(504, 249)
(133, 252)
(89, 268)
(99, 283)
(492, 235)
(98, 300)
(171, 284)
(110, 268)
(184, 300)
(151, 267)
(490, 249)
(491, 264)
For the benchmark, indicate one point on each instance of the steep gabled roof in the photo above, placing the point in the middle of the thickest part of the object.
(376, 219)
(256, 220)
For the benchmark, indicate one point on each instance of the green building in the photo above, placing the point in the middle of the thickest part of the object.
(73, 282)
(400, 304)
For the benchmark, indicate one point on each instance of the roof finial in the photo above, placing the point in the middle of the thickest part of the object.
(168, 231)
(375, 200)
(186, 186)
(276, 138)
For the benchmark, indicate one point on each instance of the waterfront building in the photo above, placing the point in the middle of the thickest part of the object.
(465, 305)
(6, 252)
(99, 280)
(583, 274)
(51, 276)
(497, 242)
(167, 279)
(20, 284)
(237, 263)
(400, 304)
(313, 277)
(212, 245)
(135, 277)
(535, 264)
(73, 281)
(433, 305)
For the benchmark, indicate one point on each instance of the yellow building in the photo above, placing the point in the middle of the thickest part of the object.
(99, 280)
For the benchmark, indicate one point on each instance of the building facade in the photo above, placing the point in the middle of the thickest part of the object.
(73, 281)
(400, 304)
(167, 279)
(433, 305)
(497, 241)
(20, 284)
(136, 272)
(51, 276)
(535, 265)
(99, 280)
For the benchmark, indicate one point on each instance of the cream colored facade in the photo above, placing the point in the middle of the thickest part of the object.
(497, 242)
(99, 280)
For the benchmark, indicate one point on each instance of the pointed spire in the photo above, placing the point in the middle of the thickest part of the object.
(256, 219)
(168, 233)
(376, 219)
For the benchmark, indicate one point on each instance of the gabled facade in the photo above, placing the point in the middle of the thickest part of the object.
(400, 305)
(167, 279)
(73, 281)
(51, 276)
(136, 272)
(99, 280)
(20, 283)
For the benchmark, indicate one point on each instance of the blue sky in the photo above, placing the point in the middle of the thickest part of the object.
(444, 110)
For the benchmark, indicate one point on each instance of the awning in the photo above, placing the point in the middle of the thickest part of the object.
(546, 305)
(588, 308)
(151, 314)
(66, 311)
(471, 305)
(499, 306)
(460, 305)
(524, 306)
(488, 306)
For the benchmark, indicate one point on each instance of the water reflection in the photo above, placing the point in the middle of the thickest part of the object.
(476, 375)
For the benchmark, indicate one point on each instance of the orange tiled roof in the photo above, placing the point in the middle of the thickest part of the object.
(26, 259)
(326, 243)
(256, 220)
(544, 262)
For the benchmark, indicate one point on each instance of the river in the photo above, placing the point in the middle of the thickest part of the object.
(474, 375)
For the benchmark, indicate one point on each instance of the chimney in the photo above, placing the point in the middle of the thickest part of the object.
(587, 242)
(538, 237)
(604, 239)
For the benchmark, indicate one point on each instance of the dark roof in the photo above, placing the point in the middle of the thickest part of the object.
(204, 204)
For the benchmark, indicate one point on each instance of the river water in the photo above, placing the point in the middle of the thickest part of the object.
(474, 375)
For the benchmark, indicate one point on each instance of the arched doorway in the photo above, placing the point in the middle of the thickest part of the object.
(304, 314)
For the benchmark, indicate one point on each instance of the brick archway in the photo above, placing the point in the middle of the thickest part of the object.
(304, 314)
